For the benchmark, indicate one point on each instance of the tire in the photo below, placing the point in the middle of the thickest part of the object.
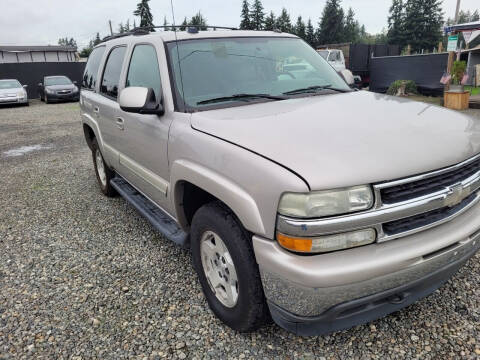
(103, 173)
(249, 312)
(40, 97)
(45, 98)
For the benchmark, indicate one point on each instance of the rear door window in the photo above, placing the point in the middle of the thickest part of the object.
(143, 70)
(89, 80)
(112, 71)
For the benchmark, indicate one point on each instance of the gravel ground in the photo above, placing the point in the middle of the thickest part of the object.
(83, 276)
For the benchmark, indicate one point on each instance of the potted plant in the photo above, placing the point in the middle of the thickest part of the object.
(458, 71)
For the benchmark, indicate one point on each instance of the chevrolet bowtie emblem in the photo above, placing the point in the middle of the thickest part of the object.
(455, 195)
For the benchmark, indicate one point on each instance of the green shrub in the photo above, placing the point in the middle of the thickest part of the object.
(410, 88)
(458, 71)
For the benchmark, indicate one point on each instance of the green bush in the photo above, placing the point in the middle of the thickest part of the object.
(459, 68)
(410, 88)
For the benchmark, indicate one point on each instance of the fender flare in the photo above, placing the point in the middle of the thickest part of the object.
(223, 188)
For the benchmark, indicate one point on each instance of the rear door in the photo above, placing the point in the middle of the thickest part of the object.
(143, 148)
(106, 106)
(90, 98)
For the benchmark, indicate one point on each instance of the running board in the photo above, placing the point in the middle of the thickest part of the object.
(157, 217)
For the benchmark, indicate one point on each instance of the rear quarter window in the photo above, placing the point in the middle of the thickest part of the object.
(89, 80)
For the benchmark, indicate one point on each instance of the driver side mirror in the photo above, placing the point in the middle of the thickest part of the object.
(25, 86)
(140, 100)
(40, 84)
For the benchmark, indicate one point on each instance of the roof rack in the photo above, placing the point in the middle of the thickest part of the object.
(198, 27)
(145, 30)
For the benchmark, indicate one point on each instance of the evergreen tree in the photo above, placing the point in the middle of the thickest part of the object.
(396, 24)
(351, 32)
(184, 25)
(245, 16)
(270, 22)
(97, 40)
(199, 20)
(165, 23)
(134, 24)
(283, 22)
(310, 34)
(143, 11)
(300, 28)
(121, 28)
(331, 26)
(127, 25)
(257, 16)
(423, 24)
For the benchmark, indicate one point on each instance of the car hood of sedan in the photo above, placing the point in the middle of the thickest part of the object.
(12, 91)
(340, 140)
(60, 87)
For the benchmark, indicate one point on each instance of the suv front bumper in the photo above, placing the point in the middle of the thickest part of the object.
(313, 295)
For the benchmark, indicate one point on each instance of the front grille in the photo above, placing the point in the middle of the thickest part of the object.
(63, 92)
(428, 185)
(425, 219)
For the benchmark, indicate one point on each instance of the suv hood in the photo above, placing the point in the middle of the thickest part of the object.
(340, 140)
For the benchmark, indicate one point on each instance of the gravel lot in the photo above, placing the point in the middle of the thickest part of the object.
(83, 276)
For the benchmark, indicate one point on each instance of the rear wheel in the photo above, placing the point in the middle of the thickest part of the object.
(102, 171)
(225, 263)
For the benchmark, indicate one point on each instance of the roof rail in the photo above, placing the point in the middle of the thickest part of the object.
(145, 30)
(199, 27)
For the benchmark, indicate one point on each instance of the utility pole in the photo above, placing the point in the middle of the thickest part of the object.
(457, 11)
(111, 31)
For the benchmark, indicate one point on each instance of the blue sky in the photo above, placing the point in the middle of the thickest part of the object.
(42, 22)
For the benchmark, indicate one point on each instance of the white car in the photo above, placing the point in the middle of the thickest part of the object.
(12, 92)
(337, 60)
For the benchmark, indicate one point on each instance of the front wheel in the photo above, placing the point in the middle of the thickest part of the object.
(45, 98)
(102, 171)
(225, 263)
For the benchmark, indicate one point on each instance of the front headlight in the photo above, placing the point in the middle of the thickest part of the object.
(21, 94)
(75, 89)
(326, 203)
(48, 91)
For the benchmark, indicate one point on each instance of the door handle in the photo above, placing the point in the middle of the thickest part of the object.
(119, 122)
(96, 109)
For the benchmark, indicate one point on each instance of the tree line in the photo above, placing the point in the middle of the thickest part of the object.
(334, 26)
(418, 23)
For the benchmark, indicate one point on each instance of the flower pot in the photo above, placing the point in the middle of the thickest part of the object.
(457, 88)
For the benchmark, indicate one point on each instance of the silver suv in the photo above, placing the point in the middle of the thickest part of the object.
(300, 199)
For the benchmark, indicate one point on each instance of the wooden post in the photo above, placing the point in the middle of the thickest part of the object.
(440, 47)
(409, 49)
(451, 58)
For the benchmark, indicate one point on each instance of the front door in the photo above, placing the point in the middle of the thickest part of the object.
(143, 144)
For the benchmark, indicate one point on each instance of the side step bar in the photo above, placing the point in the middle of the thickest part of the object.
(160, 221)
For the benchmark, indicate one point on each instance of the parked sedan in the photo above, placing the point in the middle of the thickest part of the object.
(58, 88)
(12, 92)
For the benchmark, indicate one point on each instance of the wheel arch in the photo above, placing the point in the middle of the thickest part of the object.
(194, 185)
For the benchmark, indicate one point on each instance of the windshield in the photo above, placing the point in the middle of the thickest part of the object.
(323, 54)
(9, 84)
(57, 80)
(224, 67)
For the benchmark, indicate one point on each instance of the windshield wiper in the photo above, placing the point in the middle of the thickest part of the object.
(314, 89)
(241, 97)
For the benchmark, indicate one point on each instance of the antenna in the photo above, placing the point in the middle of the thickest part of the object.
(178, 53)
